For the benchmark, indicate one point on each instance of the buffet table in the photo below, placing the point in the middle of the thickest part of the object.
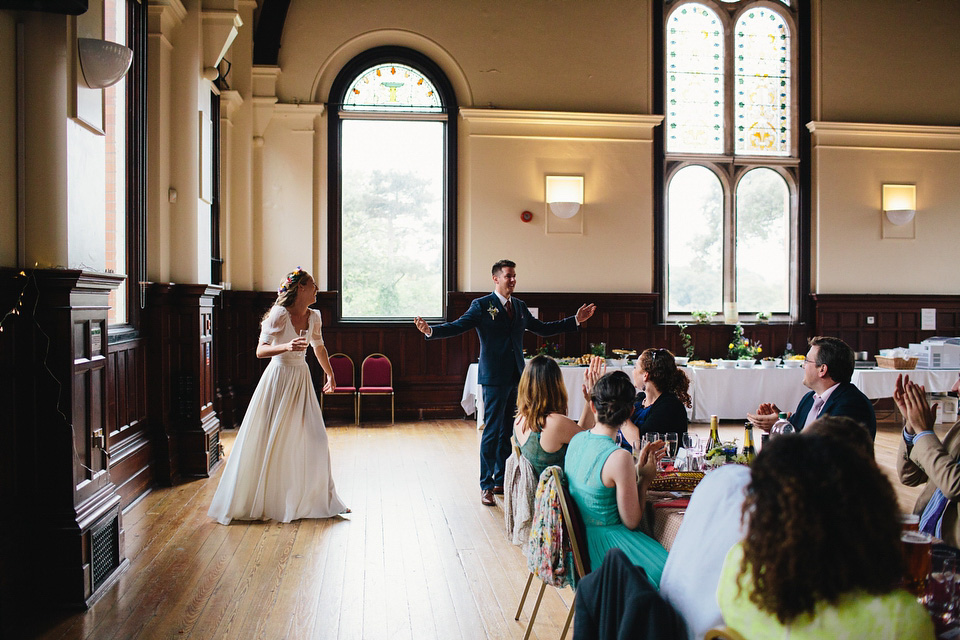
(733, 393)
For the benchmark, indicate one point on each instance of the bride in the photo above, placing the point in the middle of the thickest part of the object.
(279, 468)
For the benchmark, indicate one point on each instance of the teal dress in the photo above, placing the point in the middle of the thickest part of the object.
(540, 459)
(586, 455)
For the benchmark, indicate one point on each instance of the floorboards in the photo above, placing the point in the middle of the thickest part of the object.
(419, 557)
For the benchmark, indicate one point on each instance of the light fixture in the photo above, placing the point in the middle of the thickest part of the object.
(102, 63)
(564, 195)
(899, 202)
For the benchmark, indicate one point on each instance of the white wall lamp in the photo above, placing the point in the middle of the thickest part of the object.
(899, 203)
(102, 63)
(564, 195)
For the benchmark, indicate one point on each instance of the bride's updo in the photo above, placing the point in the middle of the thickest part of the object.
(287, 292)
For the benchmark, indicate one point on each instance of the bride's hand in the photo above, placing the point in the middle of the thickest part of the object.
(331, 385)
(297, 344)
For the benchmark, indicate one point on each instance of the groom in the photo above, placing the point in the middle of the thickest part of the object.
(500, 320)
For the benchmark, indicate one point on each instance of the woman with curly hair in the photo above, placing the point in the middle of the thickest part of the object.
(661, 405)
(821, 558)
(603, 480)
(279, 467)
(542, 428)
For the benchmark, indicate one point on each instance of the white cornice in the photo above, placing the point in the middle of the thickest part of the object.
(300, 114)
(219, 30)
(265, 79)
(559, 124)
(230, 101)
(884, 136)
(165, 15)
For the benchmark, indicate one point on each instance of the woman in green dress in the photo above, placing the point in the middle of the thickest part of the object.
(603, 480)
(542, 428)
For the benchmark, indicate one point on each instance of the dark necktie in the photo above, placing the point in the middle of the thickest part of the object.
(509, 307)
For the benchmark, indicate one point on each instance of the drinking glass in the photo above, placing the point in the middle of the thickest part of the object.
(651, 436)
(916, 556)
(673, 443)
(909, 522)
(941, 596)
(637, 447)
(691, 441)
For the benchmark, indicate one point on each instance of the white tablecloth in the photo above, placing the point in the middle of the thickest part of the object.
(733, 393)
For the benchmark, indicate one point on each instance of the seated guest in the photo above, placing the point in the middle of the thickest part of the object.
(845, 430)
(821, 557)
(660, 406)
(602, 480)
(542, 428)
(924, 458)
(827, 370)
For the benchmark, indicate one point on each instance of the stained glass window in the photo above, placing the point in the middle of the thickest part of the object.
(762, 84)
(694, 72)
(392, 87)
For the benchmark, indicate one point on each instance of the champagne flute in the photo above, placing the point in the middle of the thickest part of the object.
(673, 443)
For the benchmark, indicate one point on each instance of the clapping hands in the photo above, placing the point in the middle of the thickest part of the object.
(596, 370)
(765, 416)
(650, 456)
(911, 399)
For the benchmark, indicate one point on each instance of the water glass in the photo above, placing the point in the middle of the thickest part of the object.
(691, 441)
(650, 437)
(941, 596)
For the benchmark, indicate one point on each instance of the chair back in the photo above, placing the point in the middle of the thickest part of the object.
(376, 371)
(573, 525)
(343, 369)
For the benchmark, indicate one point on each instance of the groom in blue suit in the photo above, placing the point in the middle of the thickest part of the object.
(500, 321)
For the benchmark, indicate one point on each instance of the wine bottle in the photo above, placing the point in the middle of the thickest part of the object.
(781, 426)
(714, 441)
(749, 451)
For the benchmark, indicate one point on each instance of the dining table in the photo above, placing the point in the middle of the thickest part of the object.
(734, 392)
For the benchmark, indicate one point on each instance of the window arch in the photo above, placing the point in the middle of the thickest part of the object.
(392, 177)
(731, 160)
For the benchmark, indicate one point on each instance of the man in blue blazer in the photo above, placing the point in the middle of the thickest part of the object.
(827, 370)
(500, 321)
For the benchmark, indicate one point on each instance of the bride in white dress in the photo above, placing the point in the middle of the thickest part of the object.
(279, 467)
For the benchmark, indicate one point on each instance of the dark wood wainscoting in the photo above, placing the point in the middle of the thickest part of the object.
(896, 319)
(129, 445)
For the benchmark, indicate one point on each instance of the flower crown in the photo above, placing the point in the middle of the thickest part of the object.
(291, 280)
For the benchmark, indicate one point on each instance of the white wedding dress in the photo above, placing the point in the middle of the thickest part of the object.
(279, 467)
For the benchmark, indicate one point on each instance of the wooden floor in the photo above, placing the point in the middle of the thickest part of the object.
(418, 558)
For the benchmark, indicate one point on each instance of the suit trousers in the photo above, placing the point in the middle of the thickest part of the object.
(499, 405)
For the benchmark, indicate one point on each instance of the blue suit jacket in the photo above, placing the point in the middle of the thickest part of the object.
(501, 340)
(846, 400)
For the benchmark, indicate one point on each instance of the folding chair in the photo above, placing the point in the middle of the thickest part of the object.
(376, 379)
(343, 372)
(572, 526)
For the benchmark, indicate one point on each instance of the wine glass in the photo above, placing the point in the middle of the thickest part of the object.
(691, 441)
(673, 443)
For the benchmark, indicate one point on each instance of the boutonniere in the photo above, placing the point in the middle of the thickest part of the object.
(493, 311)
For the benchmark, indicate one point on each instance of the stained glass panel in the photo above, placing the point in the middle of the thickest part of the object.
(695, 104)
(694, 241)
(392, 87)
(762, 63)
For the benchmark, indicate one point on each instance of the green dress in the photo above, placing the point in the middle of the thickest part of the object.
(540, 459)
(586, 455)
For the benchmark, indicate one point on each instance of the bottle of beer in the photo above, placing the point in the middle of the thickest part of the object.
(714, 441)
(781, 426)
(749, 451)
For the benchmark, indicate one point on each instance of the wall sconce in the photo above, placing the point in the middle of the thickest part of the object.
(564, 195)
(899, 202)
(102, 63)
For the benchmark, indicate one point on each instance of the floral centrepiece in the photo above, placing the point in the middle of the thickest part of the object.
(741, 348)
(551, 349)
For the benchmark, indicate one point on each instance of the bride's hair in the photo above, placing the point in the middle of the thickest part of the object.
(287, 291)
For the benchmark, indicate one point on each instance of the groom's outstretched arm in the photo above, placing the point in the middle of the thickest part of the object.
(467, 321)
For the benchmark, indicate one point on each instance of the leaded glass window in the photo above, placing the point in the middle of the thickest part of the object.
(695, 88)
(388, 87)
(393, 161)
(762, 101)
(731, 221)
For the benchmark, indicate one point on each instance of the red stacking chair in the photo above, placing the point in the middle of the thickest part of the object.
(376, 379)
(343, 371)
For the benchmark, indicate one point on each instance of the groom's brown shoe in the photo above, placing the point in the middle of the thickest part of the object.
(486, 497)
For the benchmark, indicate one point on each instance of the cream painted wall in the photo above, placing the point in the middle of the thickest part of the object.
(529, 54)
(8, 141)
(851, 163)
(287, 232)
(895, 61)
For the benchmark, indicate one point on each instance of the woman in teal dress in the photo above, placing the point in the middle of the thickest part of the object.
(542, 428)
(602, 480)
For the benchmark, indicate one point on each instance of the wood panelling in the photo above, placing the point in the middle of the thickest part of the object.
(896, 319)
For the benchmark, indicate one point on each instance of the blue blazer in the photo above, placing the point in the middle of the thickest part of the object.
(846, 400)
(501, 340)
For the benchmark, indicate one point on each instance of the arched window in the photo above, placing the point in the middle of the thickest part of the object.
(731, 159)
(392, 186)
